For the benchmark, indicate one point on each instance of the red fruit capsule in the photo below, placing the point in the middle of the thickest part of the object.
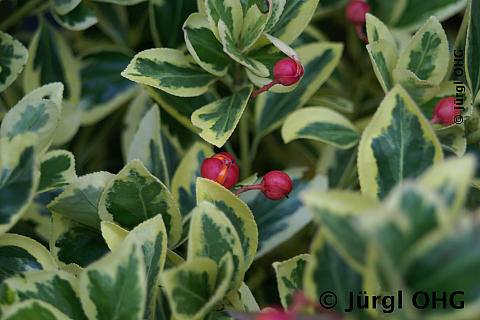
(287, 71)
(276, 185)
(221, 168)
(356, 11)
(445, 112)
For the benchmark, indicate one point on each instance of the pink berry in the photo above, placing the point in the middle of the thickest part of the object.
(356, 11)
(445, 112)
(221, 168)
(287, 71)
(276, 185)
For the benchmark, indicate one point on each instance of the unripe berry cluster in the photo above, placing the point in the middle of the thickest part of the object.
(223, 169)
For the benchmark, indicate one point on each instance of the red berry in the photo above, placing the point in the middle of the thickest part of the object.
(274, 314)
(276, 185)
(221, 168)
(445, 112)
(287, 71)
(356, 11)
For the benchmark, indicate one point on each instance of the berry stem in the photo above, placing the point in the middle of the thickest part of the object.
(360, 32)
(265, 88)
(435, 119)
(247, 188)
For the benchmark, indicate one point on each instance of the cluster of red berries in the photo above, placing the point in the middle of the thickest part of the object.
(285, 72)
(445, 112)
(223, 169)
(355, 13)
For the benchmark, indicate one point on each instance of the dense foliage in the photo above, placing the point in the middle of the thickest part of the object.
(141, 143)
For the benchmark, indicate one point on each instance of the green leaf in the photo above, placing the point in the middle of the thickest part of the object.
(56, 170)
(169, 70)
(337, 212)
(243, 300)
(384, 58)
(219, 119)
(166, 18)
(212, 235)
(51, 60)
(228, 11)
(427, 54)
(114, 287)
(335, 276)
(472, 65)
(277, 9)
(38, 116)
(122, 2)
(398, 143)
(20, 254)
(378, 31)
(64, 6)
(321, 124)
(254, 23)
(295, 17)
(450, 183)
(453, 139)
(318, 60)
(103, 89)
(68, 125)
(13, 57)
(421, 91)
(195, 287)
(185, 178)
(18, 178)
(230, 48)
(290, 277)
(79, 201)
(337, 165)
(147, 145)
(112, 20)
(80, 18)
(236, 211)
(59, 289)
(135, 195)
(75, 242)
(152, 236)
(33, 309)
(203, 46)
(279, 220)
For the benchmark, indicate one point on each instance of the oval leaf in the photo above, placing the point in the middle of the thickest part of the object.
(56, 170)
(290, 277)
(80, 18)
(13, 57)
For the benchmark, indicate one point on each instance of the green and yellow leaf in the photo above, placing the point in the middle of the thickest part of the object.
(228, 11)
(472, 47)
(421, 91)
(80, 18)
(277, 9)
(64, 6)
(321, 124)
(378, 31)
(57, 170)
(52, 91)
(13, 57)
(33, 309)
(290, 277)
(254, 23)
(169, 70)
(398, 143)
(219, 119)
(384, 59)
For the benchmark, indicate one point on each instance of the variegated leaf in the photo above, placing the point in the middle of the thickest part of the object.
(13, 57)
(228, 11)
(135, 195)
(169, 70)
(185, 178)
(68, 125)
(295, 17)
(219, 119)
(147, 145)
(384, 58)
(72, 242)
(57, 169)
(80, 18)
(337, 165)
(20, 254)
(277, 10)
(38, 116)
(103, 89)
(427, 54)
(236, 210)
(47, 48)
(378, 31)
(279, 220)
(421, 91)
(64, 6)
(254, 23)
(114, 287)
(472, 47)
(398, 143)
(122, 2)
(212, 235)
(33, 309)
(58, 289)
(322, 124)
(18, 178)
(452, 138)
(80, 200)
(203, 46)
(290, 277)
(319, 60)
(52, 91)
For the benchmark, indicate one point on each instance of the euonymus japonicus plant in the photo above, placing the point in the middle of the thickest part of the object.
(152, 239)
